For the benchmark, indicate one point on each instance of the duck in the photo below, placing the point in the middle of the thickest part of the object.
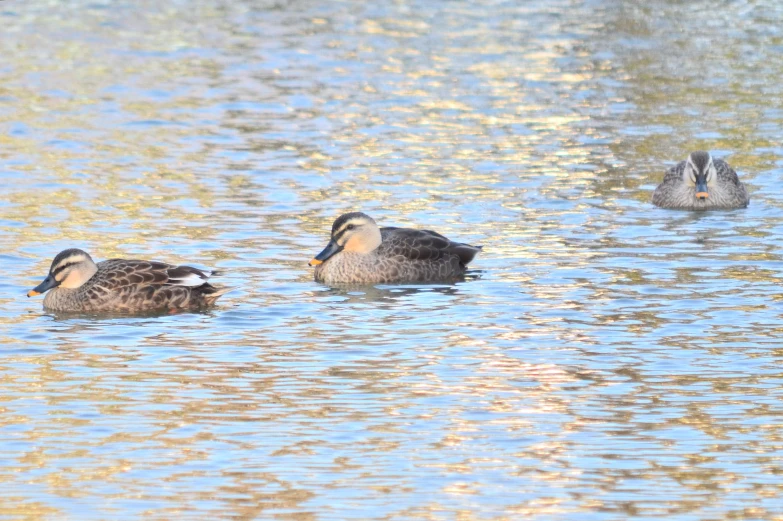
(75, 283)
(701, 183)
(359, 252)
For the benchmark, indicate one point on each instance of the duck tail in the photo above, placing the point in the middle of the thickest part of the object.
(212, 293)
(467, 252)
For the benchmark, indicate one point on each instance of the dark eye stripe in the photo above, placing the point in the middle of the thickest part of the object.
(344, 230)
(60, 268)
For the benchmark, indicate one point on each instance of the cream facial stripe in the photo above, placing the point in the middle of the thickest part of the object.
(344, 228)
(70, 261)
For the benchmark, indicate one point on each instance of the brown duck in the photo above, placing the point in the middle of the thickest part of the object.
(77, 284)
(361, 253)
(701, 183)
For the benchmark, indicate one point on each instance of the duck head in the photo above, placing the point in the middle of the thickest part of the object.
(70, 269)
(700, 174)
(353, 232)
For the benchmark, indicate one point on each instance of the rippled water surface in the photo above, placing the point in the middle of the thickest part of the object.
(611, 361)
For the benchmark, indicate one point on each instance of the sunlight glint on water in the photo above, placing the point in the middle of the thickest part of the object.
(609, 361)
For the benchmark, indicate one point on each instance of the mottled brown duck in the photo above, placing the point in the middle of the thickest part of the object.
(701, 183)
(361, 253)
(77, 284)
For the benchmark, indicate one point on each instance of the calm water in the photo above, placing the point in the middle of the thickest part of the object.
(613, 360)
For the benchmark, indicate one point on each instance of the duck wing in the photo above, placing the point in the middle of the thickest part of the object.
(150, 285)
(725, 172)
(424, 245)
(674, 174)
(119, 273)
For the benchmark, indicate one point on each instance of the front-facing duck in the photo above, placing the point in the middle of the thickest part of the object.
(701, 183)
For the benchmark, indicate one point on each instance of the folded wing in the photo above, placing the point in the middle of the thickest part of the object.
(425, 245)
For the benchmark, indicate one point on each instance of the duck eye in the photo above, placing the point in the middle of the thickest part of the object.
(350, 227)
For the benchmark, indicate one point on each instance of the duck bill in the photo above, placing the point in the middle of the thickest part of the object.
(701, 190)
(43, 287)
(327, 252)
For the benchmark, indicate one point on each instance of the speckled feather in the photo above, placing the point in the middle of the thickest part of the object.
(675, 193)
(405, 255)
(134, 286)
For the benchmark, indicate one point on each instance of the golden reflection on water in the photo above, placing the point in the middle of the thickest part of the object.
(590, 368)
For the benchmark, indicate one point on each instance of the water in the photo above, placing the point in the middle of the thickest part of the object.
(613, 361)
